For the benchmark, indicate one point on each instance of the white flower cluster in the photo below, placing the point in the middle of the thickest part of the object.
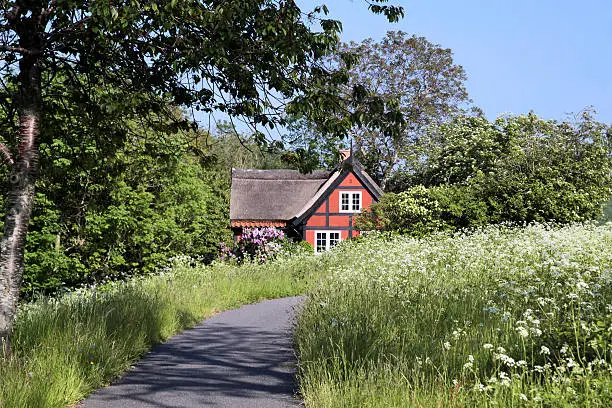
(507, 303)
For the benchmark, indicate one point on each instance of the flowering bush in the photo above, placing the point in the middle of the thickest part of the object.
(255, 245)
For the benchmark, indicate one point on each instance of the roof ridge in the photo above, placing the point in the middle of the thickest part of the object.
(279, 174)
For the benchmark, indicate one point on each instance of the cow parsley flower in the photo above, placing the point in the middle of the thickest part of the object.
(522, 331)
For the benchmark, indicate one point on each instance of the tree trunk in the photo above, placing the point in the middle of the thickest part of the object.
(21, 189)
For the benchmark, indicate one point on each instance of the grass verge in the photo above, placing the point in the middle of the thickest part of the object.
(66, 348)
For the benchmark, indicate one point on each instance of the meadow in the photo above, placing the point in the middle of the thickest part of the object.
(68, 346)
(498, 317)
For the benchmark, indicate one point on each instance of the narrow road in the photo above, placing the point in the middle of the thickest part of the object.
(239, 358)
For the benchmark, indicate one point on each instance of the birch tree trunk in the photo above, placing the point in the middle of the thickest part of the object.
(22, 176)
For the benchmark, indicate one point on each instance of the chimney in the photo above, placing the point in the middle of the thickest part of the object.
(345, 154)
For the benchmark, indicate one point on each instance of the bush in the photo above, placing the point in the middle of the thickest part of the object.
(255, 245)
(419, 211)
(293, 248)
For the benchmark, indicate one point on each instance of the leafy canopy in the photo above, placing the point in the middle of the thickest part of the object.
(246, 57)
(517, 169)
(418, 78)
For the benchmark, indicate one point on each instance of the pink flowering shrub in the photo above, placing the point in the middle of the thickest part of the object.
(256, 245)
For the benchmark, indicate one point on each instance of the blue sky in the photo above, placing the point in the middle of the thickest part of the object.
(550, 56)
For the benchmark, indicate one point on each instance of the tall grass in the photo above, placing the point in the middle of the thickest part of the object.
(500, 317)
(67, 347)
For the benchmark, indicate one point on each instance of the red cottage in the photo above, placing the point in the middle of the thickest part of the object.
(316, 207)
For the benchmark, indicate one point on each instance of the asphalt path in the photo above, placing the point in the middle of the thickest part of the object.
(239, 358)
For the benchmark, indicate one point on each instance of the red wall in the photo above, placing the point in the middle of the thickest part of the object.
(334, 220)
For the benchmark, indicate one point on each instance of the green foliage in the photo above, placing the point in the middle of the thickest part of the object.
(110, 210)
(607, 211)
(419, 211)
(305, 246)
(459, 206)
(517, 169)
(226, 149)
(291, 249)
(306, 149)
(412, 211)
(205, 55)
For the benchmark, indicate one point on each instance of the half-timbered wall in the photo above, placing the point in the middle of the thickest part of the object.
(330, 217)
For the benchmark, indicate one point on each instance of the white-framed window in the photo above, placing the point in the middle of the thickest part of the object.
(324, 240)
(350, 201)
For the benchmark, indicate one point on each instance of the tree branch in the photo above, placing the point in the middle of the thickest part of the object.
(19, 50)
(12, 15)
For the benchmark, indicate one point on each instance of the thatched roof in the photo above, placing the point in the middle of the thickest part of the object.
(267, 195)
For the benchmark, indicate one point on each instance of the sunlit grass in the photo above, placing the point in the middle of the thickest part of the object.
(67, 347)
(500, 317)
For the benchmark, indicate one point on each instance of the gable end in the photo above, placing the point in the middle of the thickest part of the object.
(361, 176)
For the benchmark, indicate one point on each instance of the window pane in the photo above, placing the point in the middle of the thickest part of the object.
(321, 241)
(356, 201)
(334, 238)
(345, 201)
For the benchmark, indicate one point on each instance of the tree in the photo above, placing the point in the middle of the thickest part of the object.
(518, 169)
(115, 199)
(307, 149)
(422, 78)
(231, 149)
(417, 77)
(235, 56)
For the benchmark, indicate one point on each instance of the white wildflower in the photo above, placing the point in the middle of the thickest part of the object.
(522, 331)
(535, 331)
(479, 387)
(582, 285)
(509, 361)
(504, 379)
